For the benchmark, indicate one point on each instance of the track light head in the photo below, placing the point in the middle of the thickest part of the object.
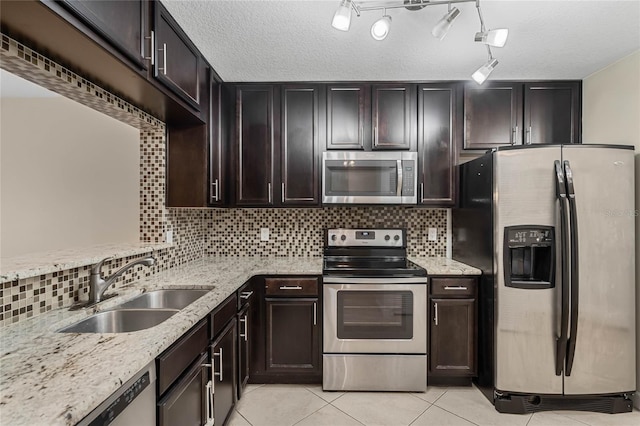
(495, 38)
(481, 75)
(444, 24)
(342, 18)
(380, 28)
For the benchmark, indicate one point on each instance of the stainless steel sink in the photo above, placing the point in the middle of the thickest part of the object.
(164, 299)
(120, 321)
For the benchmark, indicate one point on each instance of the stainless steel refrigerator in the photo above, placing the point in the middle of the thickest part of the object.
(552, 228)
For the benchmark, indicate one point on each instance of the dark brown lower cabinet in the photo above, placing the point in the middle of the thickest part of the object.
(453, 329)
(224, 368)
(184, 404)
(293, 343)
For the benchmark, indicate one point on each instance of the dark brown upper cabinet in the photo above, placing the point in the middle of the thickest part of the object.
(176, 60)
(492, 115)
(552, 112)
(299, 147)
(124, 24)
(255, 145)
(439, 132)
(348, 116)
(393, 116)
(217, 147)
(506, 113)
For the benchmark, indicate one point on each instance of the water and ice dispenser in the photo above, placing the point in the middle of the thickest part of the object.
(529, 257)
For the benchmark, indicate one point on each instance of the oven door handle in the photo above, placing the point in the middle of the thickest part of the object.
(374, 280)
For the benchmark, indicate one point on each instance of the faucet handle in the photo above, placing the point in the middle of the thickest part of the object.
(96, 269)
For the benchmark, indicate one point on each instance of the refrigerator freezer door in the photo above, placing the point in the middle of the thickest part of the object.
(527, 320)
(604, 359)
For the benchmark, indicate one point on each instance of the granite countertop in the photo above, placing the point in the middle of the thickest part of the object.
(49, 378)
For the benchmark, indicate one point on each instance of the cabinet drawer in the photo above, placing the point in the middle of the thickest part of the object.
(245, 294)
(453, 287)
(178, 357)
(223, 313)
(289, 287)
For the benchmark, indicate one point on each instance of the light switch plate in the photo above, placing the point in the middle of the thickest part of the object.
(433, 234)
(264, 234)
(169, 237)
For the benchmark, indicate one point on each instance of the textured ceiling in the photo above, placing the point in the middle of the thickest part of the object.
(275, 40)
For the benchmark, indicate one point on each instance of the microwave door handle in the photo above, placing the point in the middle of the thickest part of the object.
(399, 184)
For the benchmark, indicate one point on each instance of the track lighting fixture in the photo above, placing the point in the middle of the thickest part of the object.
(495, 38)
(444, 24)
(484, 71)
(342, 18)
(380, 28)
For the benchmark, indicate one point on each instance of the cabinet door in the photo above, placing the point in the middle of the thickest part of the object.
(492, 115)
(255, 145)
(438, 132)
(300, 174)
(552, 112)
(453, 337)
(121, 23)
(293, 343)
(217, 149)
(223, 360)
(393, 116)
(176, 60)
(185, 403)
(244, 346)
(348, 116)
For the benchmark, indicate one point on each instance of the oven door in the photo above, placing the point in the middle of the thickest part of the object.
(375, 315)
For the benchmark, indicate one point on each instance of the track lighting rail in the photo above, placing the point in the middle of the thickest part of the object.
(399, 4)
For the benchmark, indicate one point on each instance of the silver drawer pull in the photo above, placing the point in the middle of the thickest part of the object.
(456, 287)
(219, 374)
(290, 287)
(246, 294)
(435, 314)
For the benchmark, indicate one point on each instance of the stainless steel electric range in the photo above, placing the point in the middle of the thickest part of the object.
(375, 312)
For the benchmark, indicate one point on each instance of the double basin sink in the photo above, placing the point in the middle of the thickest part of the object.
(144, 311)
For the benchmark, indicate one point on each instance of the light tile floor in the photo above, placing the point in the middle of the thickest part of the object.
(287, 405)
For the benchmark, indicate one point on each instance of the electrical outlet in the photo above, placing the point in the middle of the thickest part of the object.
(264, 234)
(168, 238)
(433, 234)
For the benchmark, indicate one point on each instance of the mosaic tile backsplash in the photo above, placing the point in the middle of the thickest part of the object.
(300, 232)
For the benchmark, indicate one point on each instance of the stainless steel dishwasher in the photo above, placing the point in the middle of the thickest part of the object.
(134, 404)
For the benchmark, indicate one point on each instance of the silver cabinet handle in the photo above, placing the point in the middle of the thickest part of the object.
(246, 294)
(216, 193)
(375, 136)
(362, 136)
(435, 316)
(282, 196)
(455, 287)
(315, 314)
(152, 39)
(529, 136)
(290, 287)
(421, 191)
(269, 190)
(164, 54)
(246, 327)
(219, 373)
(514, 135)
(209, 407)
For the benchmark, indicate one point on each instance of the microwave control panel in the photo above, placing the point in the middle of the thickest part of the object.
(408, 178)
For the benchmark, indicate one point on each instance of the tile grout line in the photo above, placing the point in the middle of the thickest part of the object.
(346, 414)
(457, 415)
(419, 415)
(245, 419)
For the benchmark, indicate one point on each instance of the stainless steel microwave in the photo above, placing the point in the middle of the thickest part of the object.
(379, 177)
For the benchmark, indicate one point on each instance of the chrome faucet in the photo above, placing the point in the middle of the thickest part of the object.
(98, 285)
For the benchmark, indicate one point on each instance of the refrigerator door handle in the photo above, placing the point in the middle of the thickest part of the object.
(561, 342)
(575, 279)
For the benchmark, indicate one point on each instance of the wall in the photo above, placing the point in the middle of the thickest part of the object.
(299, 232)
(70, 177)
(611, 114)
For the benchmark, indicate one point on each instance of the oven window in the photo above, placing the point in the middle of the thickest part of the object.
(365, 178)
(375, 314)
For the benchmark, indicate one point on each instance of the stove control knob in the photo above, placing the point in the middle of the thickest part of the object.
(333, 237)
(396, 238)
(343, 237)
(387, 238)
